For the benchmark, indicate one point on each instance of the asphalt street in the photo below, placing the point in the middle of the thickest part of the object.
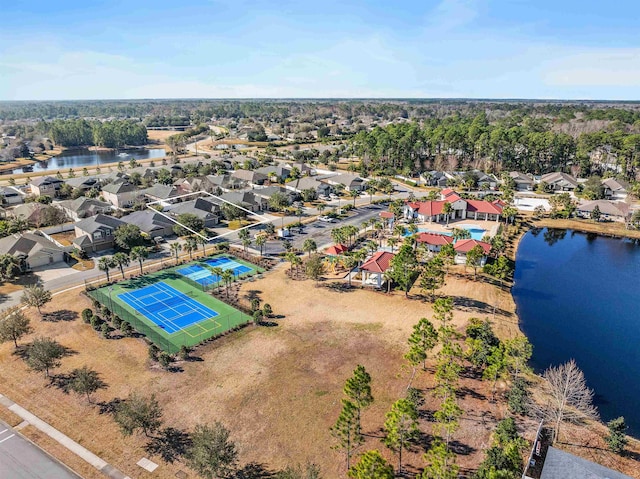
(20, 459)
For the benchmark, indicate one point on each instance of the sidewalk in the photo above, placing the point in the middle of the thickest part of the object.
(62, 439)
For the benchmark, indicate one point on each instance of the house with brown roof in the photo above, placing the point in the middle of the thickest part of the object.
(463, 246)
(559, 181)
(609, 210)
(32, 250)
(373, 269)
(615, 189)
(83, 207)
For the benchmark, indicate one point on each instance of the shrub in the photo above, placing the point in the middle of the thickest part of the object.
(153, 352)
(266, 310)
(117, 322)
(165, 360)
(105, 330)
(96, 322)
(126, 329)
(184, 352)
(87, 314)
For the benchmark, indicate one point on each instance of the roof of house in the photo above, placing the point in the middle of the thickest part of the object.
(387, 214)
(606, 207)
(434, 239)
(274, 170)
(203, 208)
(428, 208)
(87, 181)
(160, 191)
(616, 185)
(336, 249)
(248, 175)
(118, 187)
(28, 209)
(520, 177)
(557, 176)
(94, 223)
(44, 179)
(84, 204)
(482, 206)
(270, 190)
(378, 263)
(306, 183)
(563, 465)
(466, 245)
(28, 244)
(342, 178)
(148, 220)
(239, 197)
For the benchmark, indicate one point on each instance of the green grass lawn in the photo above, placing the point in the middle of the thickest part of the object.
(227, 319)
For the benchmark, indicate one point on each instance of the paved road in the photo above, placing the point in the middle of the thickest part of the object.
(19, 459)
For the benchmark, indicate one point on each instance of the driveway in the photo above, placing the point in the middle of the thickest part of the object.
(47, 273)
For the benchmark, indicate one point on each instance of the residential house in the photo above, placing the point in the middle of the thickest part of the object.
(269, 191)
(207, 209)
(246, 199)
(121, 193)
(96, 233)
(226, 182)
(195, 184)
(307, 183)
(609, 210)
(45, 185)
(11, 196)
(373, 269)
(253, 178)
(523, 182)
(463, 246)
(32, 250)
(615, 189)
(559, 181)
(485, 181)
(83, 207)
(161, 193)
(150, 222)
(388, 219)
(277, 173)
(244, 161)
(350, 182)
(433, 241)
(31, 212)
(436, 179)
(560, 464)
(433, 211)
(302, 168)
(84, 183)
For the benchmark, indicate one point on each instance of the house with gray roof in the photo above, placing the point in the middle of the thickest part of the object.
(83, 207)
(269, 191)
(559, 181)
(160, 192)
(205, 208)
(609, 210)
(308, 183)
(226, 182)
(96, 233)
(32, 250)
(121, 193)
(11, 196)
(246, 199)
(45, 185)
(277, 172)
(564, 465)
(150, 222)
(84, 183)
(615, 189)
(523, 182)
(350, 182)
(251, 177)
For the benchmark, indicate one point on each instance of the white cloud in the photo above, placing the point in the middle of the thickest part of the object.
(596, 67)
(452, 14)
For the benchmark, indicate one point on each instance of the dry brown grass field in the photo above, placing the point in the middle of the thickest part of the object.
(277, 389)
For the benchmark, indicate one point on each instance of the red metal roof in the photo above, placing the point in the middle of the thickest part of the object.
(336, 249)
(466, 245)
(482, 206)
(378, 263)
(434, 239)
(446, 191)
(387, 214)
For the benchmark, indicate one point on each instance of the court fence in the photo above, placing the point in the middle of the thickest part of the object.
(225, 324)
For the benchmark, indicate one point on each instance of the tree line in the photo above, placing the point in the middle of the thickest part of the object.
(107, 134)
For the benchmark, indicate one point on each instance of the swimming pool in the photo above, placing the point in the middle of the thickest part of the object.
(476, 233)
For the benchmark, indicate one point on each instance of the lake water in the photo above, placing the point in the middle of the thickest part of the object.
(577, 297)
(79, 158)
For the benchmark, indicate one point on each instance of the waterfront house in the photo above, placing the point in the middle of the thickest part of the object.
(11, 196)
(609, 210)
(84, 183)
(615, 189)
(463, 246)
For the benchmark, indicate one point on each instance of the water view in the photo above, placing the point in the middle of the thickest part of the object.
(79, 158)
(577, 298)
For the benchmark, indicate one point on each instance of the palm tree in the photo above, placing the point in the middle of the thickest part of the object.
(105, 264)
(227, 278)
(447, 209)
(139, 253)
(190, 246)
(321, 207)
(372, 187)
(217, 271)
(200, 239)
(354, 194)
(399, 230)
(261, 240)
(121, 260)
(349, 262)
(175, 249)
(309, 246)
(378, 226)
(392, 242)
(413, 229)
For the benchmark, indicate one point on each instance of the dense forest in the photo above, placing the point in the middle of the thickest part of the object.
(108, 134)
(517, 142)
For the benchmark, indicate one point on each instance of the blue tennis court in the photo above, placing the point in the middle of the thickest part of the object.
(198, 274)
(228, 264)
(167, 307)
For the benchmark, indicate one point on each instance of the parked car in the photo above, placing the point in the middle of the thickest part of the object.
(326, 219)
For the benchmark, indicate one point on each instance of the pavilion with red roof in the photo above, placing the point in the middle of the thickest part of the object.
(373, 269)
(336, 250)
(433, 211)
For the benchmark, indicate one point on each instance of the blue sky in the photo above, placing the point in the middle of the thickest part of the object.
(566, 49)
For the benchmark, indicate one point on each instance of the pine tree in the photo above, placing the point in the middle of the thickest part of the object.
(347, 429)
(358, 389)
(401, 427)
